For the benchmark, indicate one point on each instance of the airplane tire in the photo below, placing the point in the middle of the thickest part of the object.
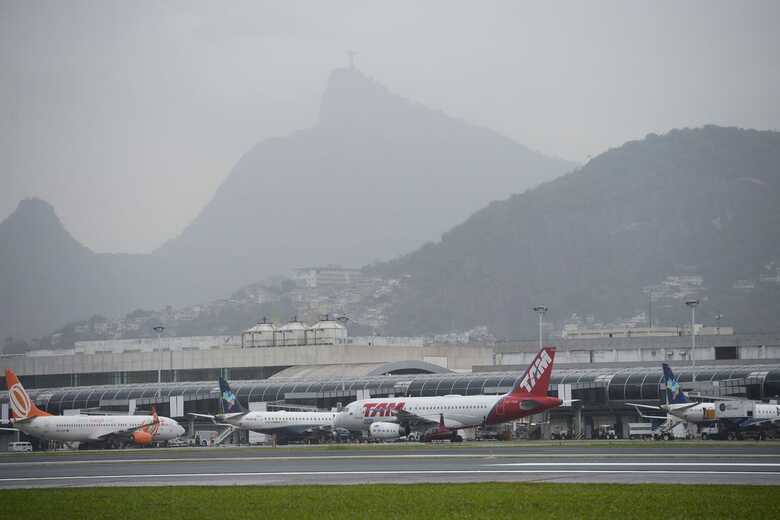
(731, 436)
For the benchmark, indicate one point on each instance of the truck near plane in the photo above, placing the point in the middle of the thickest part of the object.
(285, 425)
(393, 417)
(88, 430)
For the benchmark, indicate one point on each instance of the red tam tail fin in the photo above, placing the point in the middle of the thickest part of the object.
(22, 407)
(536, 378)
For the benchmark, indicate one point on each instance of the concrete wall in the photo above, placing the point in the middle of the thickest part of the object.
(150, 344)
(581, 351)
(459, 358)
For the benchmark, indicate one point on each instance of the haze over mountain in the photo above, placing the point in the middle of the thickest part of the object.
(377, 176)
(47, 278)
(695, 205)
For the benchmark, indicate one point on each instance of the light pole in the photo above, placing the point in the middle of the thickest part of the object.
(540, 310)
(159, 330)
(717, 320)
(692, 304)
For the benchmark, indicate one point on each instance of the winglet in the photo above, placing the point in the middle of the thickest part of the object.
(22, 407)
(536, 378)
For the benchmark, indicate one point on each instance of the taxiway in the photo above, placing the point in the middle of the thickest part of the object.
(409, 464)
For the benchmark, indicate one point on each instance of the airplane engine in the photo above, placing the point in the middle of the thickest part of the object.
(143, 438)
(385, 431)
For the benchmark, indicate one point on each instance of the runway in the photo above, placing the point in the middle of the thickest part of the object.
(408, 464)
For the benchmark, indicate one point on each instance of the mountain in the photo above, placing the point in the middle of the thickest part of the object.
(376, 176)
(47, 278)
(38, 258)
(693, 211)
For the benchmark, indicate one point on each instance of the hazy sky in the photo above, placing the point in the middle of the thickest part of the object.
(126, 116)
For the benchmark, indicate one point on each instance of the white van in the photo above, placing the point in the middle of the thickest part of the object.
(19, 446)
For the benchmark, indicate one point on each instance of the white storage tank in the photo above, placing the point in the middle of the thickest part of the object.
(261, 335)
(291, 334)
(326, 332)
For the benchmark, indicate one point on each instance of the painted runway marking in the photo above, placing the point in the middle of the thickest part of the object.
(394, 456)
(398, 472)
(648, 464)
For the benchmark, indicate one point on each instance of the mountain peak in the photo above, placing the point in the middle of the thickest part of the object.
(35, 222)
(34, 207)
(354, 100)
(34, 213)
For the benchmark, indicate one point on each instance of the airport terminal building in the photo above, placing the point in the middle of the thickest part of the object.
(602, 372)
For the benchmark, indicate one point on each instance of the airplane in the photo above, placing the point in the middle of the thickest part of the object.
(285, 425)
(391, 418)
(88, 430)
(678, 408)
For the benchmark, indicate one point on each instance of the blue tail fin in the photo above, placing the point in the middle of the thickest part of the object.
(673, 390)
(228, 399)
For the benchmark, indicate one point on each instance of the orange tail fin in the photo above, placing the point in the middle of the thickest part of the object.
(22, 407)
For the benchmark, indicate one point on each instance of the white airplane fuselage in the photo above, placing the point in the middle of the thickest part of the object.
(281, 421)
(705, 412)
(90, 428)
(458, 411)
(702, 412)
(527, 397)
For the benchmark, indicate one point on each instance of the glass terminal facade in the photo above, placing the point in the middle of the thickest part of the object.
(603, 388)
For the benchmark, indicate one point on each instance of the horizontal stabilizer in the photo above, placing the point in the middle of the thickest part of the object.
(228, 416)
(644, 416)
(529, 404)
(686, 406)
(205, 416)
(648, 406)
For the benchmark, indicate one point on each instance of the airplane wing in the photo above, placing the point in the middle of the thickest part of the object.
(684, 407)
(123, 434)
(322, 430)
(758, 423)
(221, 417)
(10, 429)
(418, 421)
(414, 420)
(714, 398)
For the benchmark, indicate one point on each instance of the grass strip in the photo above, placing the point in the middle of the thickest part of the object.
(451, 501)
(680, 444)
